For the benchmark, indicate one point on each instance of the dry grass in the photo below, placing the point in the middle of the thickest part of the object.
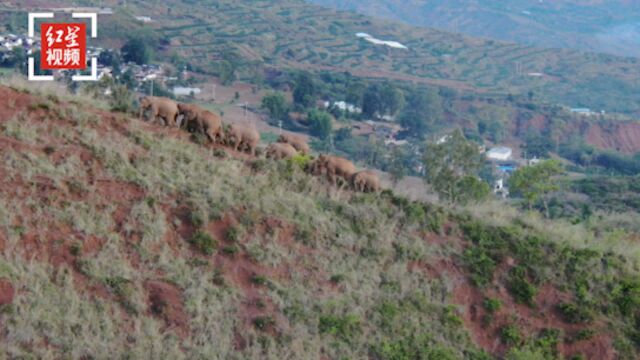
(347, 264)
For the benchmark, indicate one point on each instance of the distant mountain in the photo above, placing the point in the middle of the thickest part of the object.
(597, 25)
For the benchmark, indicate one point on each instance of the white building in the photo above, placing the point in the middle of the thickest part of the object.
(144, 19)
(500, 153)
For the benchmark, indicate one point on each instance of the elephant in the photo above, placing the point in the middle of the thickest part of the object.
(334, 167)
(241, 136)
(162, 107)
(279, 151)
(202, 121)
(366, 181)
(296, 141)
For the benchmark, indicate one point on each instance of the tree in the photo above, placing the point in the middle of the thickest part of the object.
(422, 112)
(305, 90)
(535, 181)
(396, 169)
(382, 99)
(276, 104)
(449, 165)
(227, 72)
(320, 123)
(109, 58)
(136, 49)
(537, 145)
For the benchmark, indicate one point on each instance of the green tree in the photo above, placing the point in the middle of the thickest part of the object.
(227, 72)
(422, 112)
(305, 90)
(449, 166)
(382, 99)
(535, 181)
(276, 104)
(320, 123)
(397, 168)
(109, 58)
(138, 50)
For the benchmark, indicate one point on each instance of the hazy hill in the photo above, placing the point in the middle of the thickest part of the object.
(602, 26)
(124, 238)
(294, 34)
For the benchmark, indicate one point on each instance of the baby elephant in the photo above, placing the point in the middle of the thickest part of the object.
(202, 121)
(279, 151)
(162, 107)
(241, 137)
(366, 181)
(296, 141)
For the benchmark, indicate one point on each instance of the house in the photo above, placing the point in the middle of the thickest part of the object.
(342, 105)
(499, 153)
(582, 111)
(144, 19)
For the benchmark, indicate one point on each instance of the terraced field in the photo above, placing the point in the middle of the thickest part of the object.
(293, 34)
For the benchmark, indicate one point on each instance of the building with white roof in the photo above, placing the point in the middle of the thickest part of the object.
(500, 153)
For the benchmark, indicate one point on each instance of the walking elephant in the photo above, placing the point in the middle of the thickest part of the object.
(366, 181)
(279, 151)
(334, 167)
(202, 121)
(242, 137)
(162, 107)
(296, 141)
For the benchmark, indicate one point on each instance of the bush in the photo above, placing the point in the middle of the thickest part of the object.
(204, 242)
(492, 305)
(520, 288)
(510, 335)
(480, 264)
(627, 296)
(263, 322)
(344, 327)
(575, 314)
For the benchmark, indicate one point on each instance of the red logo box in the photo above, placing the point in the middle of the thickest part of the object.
(64, 46)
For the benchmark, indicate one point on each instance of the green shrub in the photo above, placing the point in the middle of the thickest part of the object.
(259, 279)
(520, 288)
(547, 342)
(204, 242)
(123, 291)
(510, 335)
(450, 316)
(480, 264)
(263, 322)
(388, 312)
(300, 161)
(575, 314)
(230, 250)
(626, 296)
(343, 327)
(584, 334)
(233, 234)
(492, 305)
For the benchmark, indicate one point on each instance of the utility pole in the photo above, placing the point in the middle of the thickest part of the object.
(151, 87)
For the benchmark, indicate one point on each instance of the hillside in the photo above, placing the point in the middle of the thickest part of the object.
(292, 34)
(124, 238)
(600, 26)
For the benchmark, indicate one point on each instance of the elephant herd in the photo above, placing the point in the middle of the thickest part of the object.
(195, 119)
